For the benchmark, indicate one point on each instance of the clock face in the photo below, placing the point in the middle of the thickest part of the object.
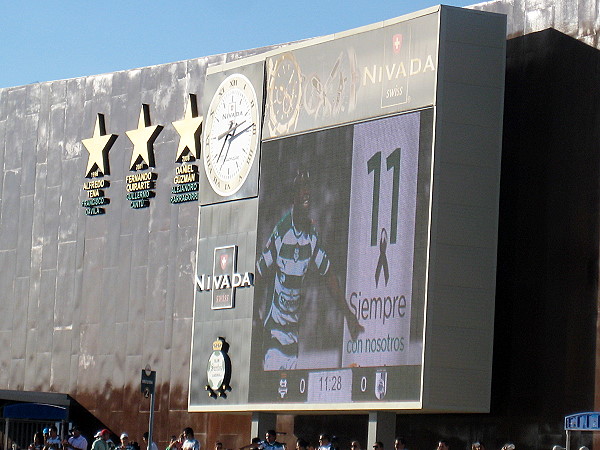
(231, 139)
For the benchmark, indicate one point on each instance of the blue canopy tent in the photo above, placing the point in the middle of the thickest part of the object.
(24, 416)
(36, 411)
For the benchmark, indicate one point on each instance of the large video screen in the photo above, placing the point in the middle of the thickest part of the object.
(340, 266)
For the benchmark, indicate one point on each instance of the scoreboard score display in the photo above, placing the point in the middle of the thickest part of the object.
(373, 233)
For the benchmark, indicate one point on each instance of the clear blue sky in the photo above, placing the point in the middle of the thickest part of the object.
(57, 39)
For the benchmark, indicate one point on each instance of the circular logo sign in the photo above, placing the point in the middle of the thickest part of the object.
(216, 370)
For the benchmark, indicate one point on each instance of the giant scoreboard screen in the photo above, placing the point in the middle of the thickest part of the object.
(340, 236)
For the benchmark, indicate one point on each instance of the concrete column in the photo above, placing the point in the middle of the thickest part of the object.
(382, 427)
(6, 429)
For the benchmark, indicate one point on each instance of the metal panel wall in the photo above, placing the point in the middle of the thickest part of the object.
(465, 196)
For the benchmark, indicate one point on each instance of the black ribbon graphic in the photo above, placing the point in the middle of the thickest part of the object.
(382, 262)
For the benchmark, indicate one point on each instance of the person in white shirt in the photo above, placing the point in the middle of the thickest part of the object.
(76, 441)
(190, 443)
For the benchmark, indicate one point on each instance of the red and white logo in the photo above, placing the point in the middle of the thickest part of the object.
(397, 43)
(223, 261)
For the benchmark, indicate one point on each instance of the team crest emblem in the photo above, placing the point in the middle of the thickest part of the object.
(380, 384)
(218, 370)
(283, 386)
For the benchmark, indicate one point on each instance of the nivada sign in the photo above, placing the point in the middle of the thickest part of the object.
(224, 279)
(382, 71)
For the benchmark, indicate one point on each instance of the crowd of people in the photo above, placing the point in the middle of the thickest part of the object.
(48, 439)
(327, 442)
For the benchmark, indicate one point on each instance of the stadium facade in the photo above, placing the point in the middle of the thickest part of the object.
(454, 179)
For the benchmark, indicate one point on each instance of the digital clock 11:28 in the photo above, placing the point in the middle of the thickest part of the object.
(331, 386)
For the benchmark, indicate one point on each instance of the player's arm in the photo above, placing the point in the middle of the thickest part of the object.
(333, 284)
(267, 256)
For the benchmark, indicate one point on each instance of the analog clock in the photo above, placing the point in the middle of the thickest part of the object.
(231, 135)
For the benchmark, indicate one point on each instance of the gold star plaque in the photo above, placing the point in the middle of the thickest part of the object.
(98, 147)
(143, 139)
(189, 130)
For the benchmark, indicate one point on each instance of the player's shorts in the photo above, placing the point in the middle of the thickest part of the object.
(275, 359)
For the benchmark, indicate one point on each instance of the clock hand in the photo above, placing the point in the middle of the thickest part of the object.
(231, 130)
(225, 133)
(233, 136)
(224, 142)
(227, 152)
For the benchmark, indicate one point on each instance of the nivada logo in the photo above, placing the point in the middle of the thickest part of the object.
(224, 259)
(397, 43)
(207, 282)
(224, 279)
(379, 73)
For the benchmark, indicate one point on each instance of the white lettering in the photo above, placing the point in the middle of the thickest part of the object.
(415, 66)
(376, 74)
(401, 70)
(247, 281)
(224, 281)
(429, 64)
(390, 71)
(203, 282)
(370, 74)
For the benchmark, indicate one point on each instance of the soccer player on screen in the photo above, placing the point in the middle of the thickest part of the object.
(291, 250)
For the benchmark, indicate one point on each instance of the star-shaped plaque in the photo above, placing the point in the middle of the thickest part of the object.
(189, 130)
(143, 139)
(98, 147)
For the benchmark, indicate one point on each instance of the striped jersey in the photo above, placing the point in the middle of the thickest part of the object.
(293, 252)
